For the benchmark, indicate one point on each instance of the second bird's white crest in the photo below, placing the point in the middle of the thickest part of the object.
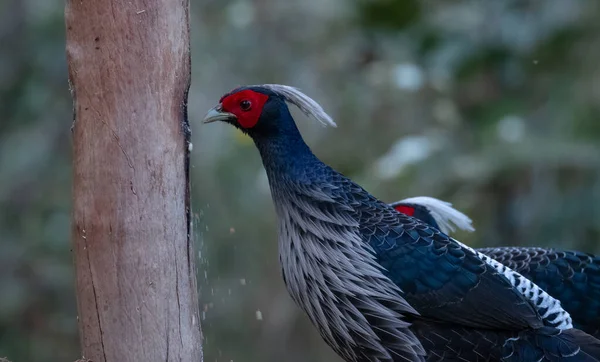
(444, 214)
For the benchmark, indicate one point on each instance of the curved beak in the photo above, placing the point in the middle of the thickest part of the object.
(216, 114)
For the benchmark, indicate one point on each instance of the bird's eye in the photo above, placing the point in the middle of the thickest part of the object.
(245, 105)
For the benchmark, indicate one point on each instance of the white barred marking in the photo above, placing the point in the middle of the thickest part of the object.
(445, 215)
(543, 302)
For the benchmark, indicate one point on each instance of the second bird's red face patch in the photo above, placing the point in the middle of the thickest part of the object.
(407, 210)
(247, 105)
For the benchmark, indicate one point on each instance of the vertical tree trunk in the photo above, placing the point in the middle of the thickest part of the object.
(129, 70)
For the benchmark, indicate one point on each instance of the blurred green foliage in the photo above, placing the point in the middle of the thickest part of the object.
(492, 105)
(392, 15)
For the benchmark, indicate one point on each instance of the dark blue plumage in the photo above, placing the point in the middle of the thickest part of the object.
(378, 285)
(439, 277)
(573, 277)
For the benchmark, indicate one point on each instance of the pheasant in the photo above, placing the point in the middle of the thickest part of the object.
(573, 277)
(380, 285)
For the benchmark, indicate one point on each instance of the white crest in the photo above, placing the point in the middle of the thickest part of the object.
(444, 214)
(306, 104)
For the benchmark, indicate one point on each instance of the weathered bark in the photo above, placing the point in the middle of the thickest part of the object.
(129, 70)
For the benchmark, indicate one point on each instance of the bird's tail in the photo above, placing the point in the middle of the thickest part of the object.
(552, 345)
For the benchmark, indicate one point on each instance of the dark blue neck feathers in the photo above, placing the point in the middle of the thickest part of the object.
(283, 151)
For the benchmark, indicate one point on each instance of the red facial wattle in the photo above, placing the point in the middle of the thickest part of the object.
(407, 210)
(247, 105)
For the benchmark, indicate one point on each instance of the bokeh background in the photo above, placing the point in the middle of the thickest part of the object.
(493, 105)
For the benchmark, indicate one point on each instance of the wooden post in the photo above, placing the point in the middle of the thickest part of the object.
(129, 71)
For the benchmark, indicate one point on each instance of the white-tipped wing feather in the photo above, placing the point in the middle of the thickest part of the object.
(446, 216)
